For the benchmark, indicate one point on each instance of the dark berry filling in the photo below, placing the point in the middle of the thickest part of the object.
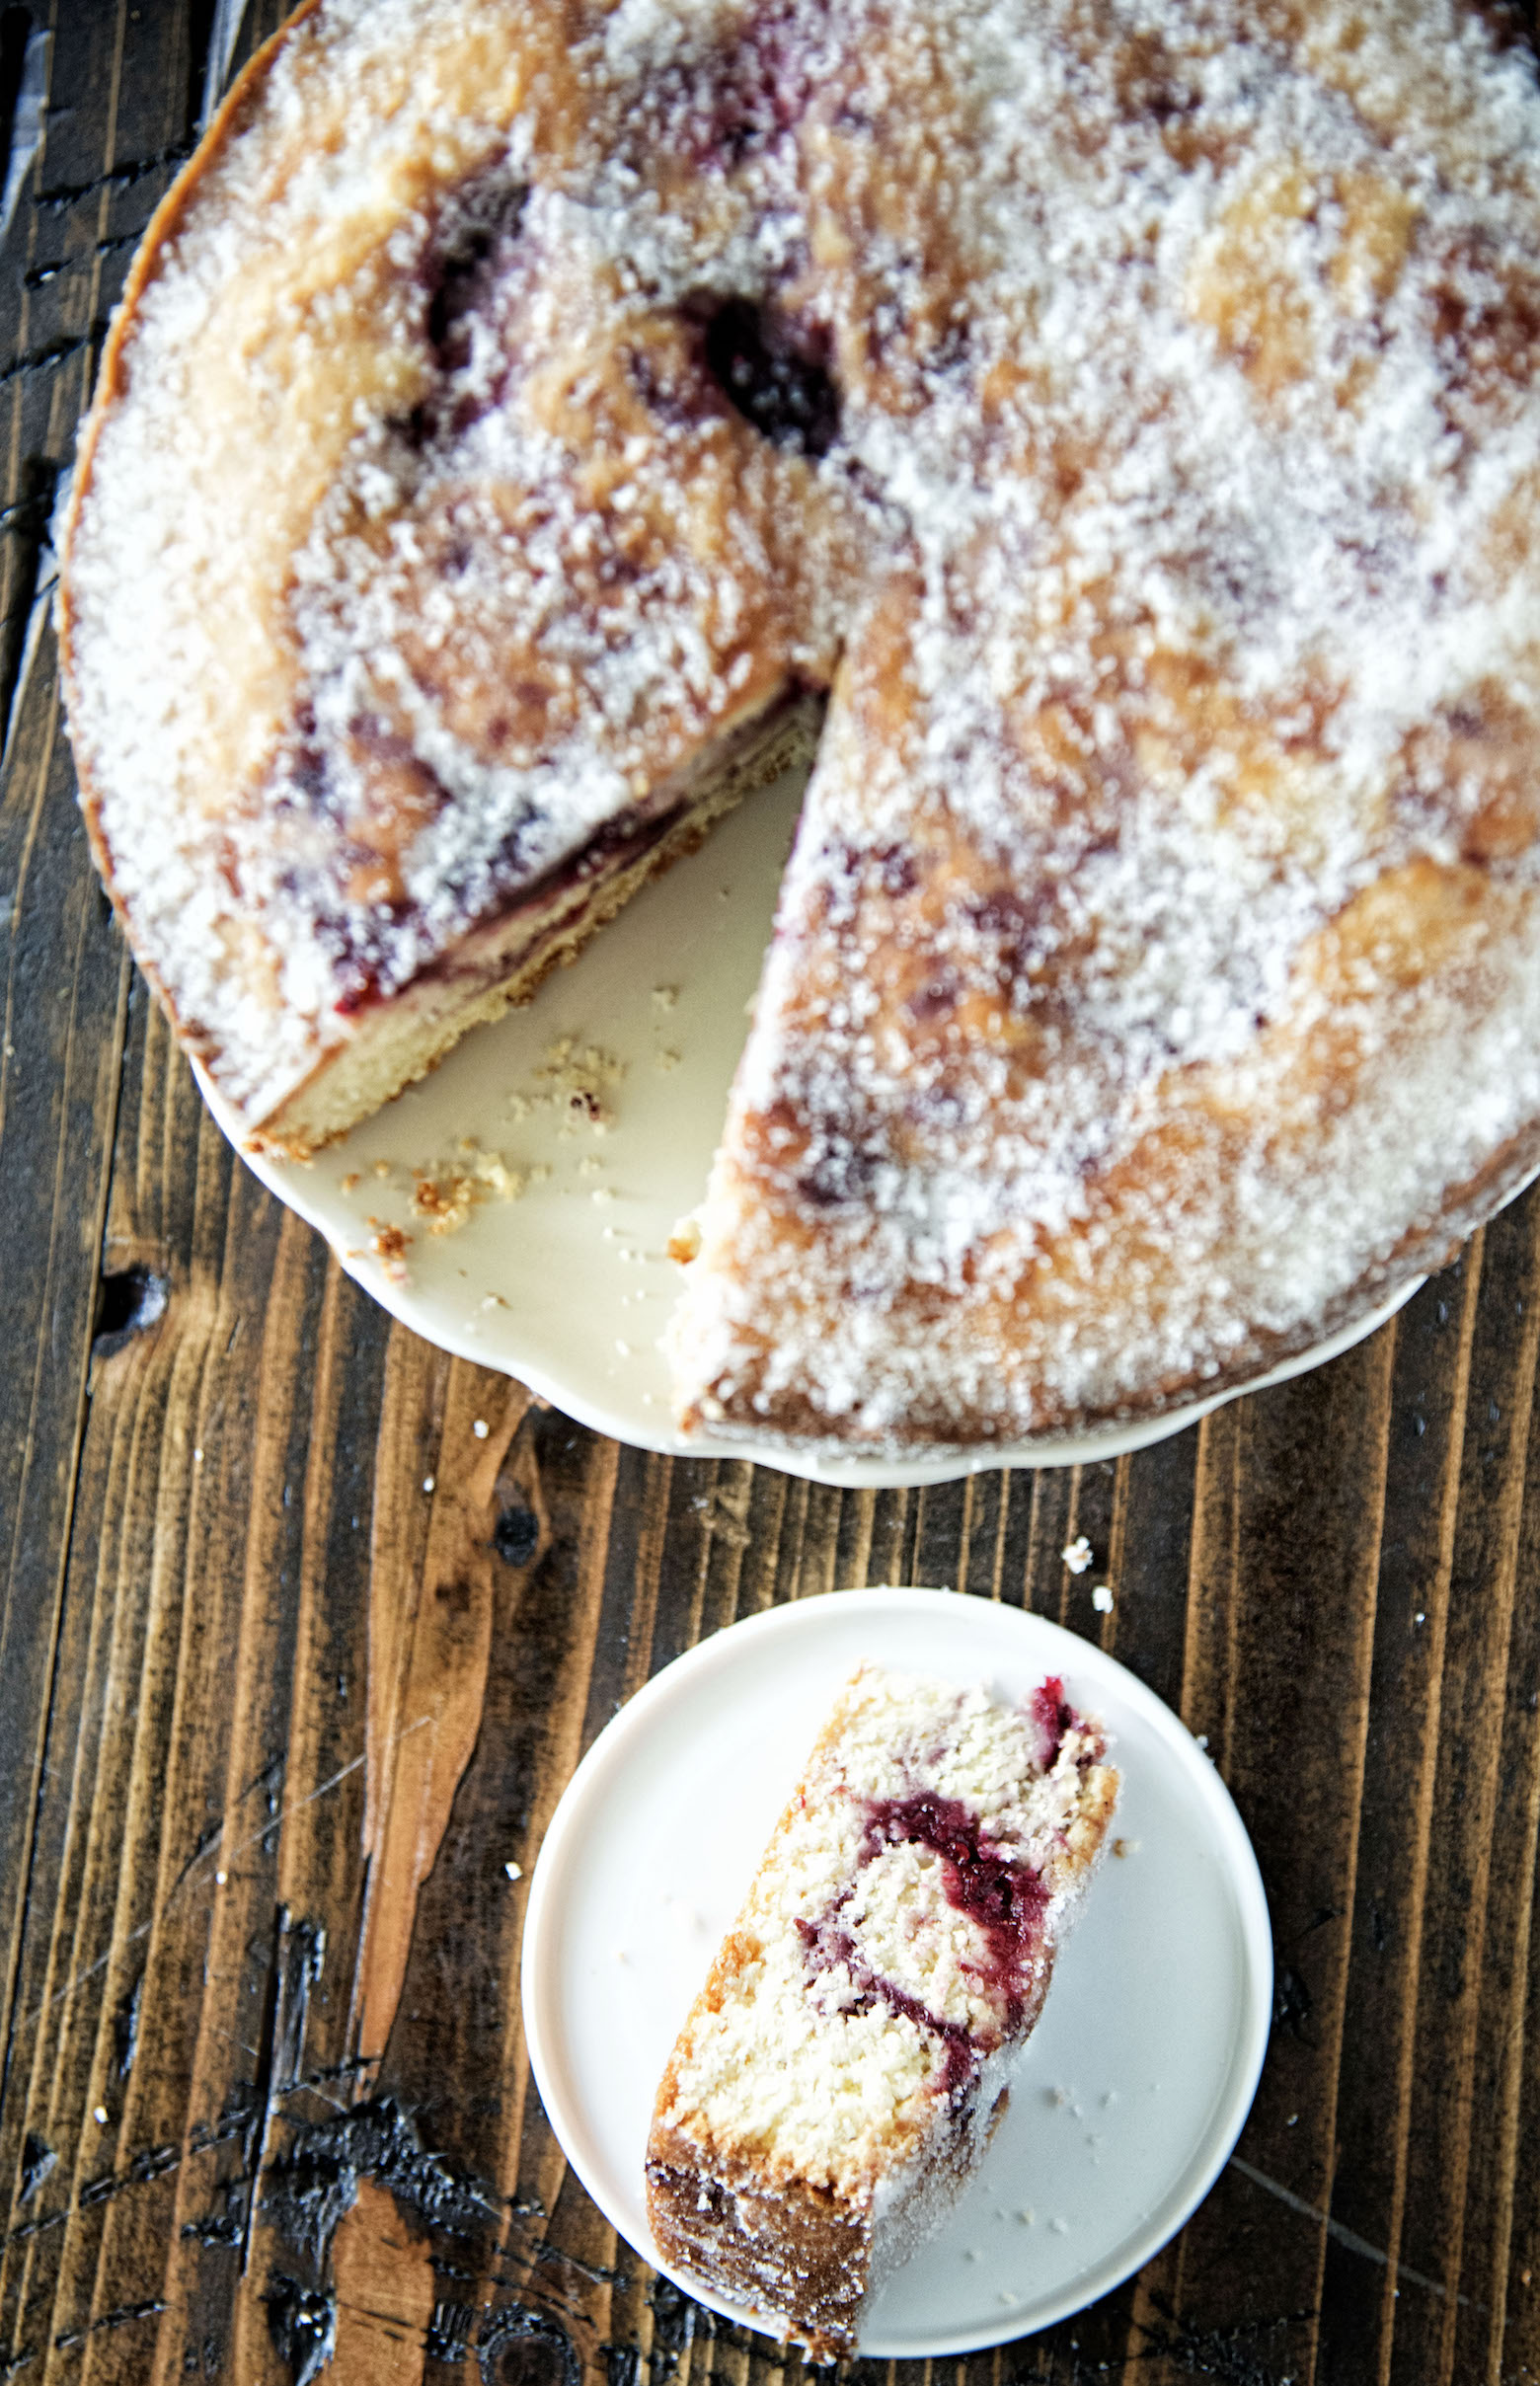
(1004, 1898)
(827, 1944)
(467, 270)
(737, 100)
(775, 373)
(1054, 1714)
(464, 276)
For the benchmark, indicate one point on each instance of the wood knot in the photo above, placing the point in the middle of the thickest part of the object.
(516, 1534)
(129, 1301)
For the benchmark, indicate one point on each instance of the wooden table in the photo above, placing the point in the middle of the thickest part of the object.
(275, 1720)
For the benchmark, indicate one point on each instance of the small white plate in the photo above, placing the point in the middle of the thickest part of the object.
(1136, 2081)
(567, 1287)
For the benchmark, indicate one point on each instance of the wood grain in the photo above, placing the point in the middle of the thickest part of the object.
(294, 1665)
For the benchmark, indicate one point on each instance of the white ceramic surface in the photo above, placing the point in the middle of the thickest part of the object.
(1136, 2081)
(568, 1286)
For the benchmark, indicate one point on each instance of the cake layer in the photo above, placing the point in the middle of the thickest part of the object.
(387, 1042)
(839, 2076)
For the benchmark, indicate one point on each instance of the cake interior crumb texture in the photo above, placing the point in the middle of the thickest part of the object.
(839, 2076)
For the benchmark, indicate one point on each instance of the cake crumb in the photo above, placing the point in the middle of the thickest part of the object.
(390, 1244)
(685, 1241)
(351, 1182)
(481, 1428)
(576, 1077)
(515, 1871)
(428, 1482)
(1101, 1599)
(665, 997)
(444, 1198)
(99, 2116)
(1076, 1554)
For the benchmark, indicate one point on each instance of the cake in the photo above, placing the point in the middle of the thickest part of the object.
(1107, 430)
(839, 2076)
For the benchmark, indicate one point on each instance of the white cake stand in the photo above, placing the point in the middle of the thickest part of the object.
(568, 1286)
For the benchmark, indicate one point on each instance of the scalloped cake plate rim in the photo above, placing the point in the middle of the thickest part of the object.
(544, 1288)
(818, 1463)
(599, 2018)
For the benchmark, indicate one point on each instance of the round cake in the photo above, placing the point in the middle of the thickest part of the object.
(1107, 431)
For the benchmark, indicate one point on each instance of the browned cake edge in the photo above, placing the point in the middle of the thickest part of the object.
(759, 2242)
(792, 1419)
(161, 230)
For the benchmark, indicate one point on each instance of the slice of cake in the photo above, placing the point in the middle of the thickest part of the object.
(840, 2073)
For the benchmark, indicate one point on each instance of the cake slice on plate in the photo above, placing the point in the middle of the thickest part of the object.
(840, 2073)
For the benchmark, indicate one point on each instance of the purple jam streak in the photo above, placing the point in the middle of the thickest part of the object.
(775, 374)
(826, 1946)
(1054, 1714)
(1005, 1899)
